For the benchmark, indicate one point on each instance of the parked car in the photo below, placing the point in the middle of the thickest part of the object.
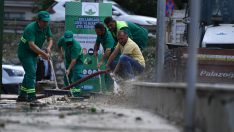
(121, 14)
(12, 77)
(57, 11)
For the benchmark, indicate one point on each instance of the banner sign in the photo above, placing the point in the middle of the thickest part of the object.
(80, 19)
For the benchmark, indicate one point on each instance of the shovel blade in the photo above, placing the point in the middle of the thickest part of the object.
(50, 92)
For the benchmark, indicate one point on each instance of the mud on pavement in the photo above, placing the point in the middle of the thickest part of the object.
(100, 113)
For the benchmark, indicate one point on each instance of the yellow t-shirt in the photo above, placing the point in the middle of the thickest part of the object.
(131, 49)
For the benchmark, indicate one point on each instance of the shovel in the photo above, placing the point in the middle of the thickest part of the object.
(53, 73)
(68, 81)
(100, 79)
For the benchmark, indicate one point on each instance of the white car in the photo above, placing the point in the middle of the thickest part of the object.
(57, 11)
(12, 76)
(118, 13)
(219, 36)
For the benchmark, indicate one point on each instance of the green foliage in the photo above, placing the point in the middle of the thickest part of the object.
(149, 54)
(179, 4)
(152, 42)
(140, 7)
(42, 5)
(145, 7)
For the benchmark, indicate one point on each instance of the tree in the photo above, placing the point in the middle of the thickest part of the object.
(42, 5)
(140, 7)
(145, 7)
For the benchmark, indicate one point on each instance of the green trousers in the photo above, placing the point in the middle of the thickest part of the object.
(29, 63)
(74, 76)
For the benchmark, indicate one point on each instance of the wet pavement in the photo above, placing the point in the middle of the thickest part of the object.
(62, 114)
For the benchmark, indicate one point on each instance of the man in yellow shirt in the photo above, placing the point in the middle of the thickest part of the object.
(131, 61)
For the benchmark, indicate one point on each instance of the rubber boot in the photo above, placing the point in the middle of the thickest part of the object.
(32, 97)
(76, 92)
(22, 96)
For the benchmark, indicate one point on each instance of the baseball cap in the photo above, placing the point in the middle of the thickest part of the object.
(68, 36)
(44, 16)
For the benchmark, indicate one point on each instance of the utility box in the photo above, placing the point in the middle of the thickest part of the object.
(80, 18)
(176, 29)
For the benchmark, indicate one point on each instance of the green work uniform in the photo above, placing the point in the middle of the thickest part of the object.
(137, 33)
(107, 41)
(28, 58)
(71, 52)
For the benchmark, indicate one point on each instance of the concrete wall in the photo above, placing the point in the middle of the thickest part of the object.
(19, 9)
(214, 106)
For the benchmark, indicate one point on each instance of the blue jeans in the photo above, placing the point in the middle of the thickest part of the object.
(129, 67)
(113, 65)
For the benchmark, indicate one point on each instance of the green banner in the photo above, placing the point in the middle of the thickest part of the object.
(81, 18)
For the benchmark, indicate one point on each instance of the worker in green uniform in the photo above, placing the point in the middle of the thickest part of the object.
(108, 43)
(73, 59)
(137, 33)
(29, 49)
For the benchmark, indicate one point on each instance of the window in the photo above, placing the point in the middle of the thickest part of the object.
(14, 16)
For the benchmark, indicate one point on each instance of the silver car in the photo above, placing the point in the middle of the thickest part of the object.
(12, 77)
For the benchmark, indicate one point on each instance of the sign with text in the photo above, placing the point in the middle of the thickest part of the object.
(81, 18)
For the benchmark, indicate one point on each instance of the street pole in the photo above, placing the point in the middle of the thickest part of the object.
(193, 42)
(1, 34)
(161, 33)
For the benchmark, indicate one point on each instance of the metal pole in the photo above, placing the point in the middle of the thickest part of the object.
(161, 32)
(1, 32)
(193, 41)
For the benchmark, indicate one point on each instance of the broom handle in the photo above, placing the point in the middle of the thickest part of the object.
(53, 72)
(65, 70)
